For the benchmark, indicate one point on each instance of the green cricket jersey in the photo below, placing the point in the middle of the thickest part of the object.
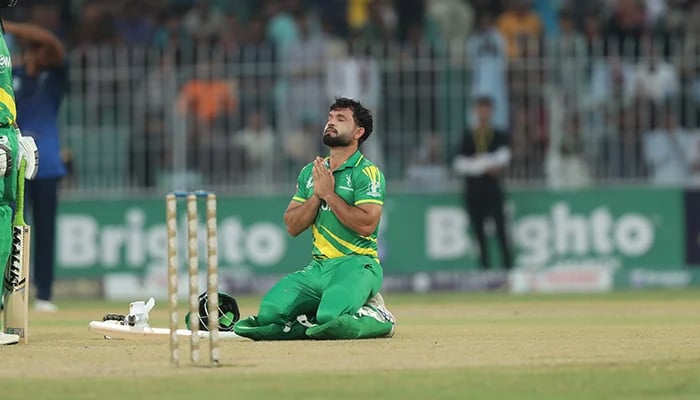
(8, 111)
(357, 181)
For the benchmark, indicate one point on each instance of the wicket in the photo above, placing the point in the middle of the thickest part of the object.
(193, 269)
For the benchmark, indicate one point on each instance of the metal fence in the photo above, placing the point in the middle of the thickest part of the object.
(246, 119)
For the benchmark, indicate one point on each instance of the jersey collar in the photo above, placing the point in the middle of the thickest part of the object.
(351, 162)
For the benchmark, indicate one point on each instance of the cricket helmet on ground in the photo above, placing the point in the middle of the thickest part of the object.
(228, 312)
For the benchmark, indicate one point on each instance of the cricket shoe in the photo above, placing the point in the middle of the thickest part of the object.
(45, 306)
(377, 302)
(8, 338)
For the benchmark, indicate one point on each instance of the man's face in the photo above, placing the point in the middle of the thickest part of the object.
(340, 128)
(37, 54)
(483, 112)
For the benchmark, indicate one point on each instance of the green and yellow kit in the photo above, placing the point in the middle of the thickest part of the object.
(8, 138)
(343, 274)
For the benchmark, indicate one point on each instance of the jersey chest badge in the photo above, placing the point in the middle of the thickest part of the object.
(348, 184)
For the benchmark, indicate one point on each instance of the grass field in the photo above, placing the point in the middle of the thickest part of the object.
(626, 345)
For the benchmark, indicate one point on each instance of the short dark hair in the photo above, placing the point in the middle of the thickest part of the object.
(483, 100)
(361, 115)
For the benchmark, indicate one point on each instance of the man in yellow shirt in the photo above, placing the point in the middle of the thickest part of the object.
(521, 28)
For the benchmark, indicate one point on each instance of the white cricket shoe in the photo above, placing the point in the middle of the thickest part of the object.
(45, 306)
(8, 338)
(377, 301)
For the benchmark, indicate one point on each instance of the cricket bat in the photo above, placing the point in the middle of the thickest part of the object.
(16, 280)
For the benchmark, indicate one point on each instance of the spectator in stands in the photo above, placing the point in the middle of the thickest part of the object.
(302, 144)
(134, 26)
(455, 19)
(148, 150)
(521, 28)
(571, 70)
(486, 53)
(593, 32)
(334, 13)
(668, 150)
(566, 165)
(416, 104)
(354, 73)
(257, 143)
(181, 6)
(96, 26)
(612, 81)
(48, 15)
(691, 23)
(489, 7)
(282, 26)
(229, 36)
(170, 33)
(528, 142)
(409, 14)
(655, 10)
(581, 10)
(149, 146)
(605, 80)
(257, 90)
(203, 22)
(656, 80)
(211, 100)
(304, 64)
(548, 13)
(206, 97)
(253, 34)
(427, 170)
(379, 24)
(358, 14)
(626, 26)
(620, 150)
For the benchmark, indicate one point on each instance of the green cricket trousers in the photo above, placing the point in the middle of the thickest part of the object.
(329, 292)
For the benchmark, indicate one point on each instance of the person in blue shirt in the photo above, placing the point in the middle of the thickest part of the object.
(39, 83)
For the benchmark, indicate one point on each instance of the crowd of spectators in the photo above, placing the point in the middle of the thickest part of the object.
(157, 22)
(639, 77)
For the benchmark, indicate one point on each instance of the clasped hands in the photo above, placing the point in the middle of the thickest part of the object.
(324, 182)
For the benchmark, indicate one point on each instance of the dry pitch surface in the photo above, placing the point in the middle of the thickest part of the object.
(629, 345)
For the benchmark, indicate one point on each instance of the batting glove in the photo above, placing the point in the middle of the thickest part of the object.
(28, 151)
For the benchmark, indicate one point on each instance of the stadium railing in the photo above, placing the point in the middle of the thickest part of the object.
(137, 120)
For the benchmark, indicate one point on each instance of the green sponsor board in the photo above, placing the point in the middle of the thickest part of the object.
(618, 230)
(639, 228)
(98, 237)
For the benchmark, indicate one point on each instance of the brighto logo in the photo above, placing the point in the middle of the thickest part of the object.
(563, 236)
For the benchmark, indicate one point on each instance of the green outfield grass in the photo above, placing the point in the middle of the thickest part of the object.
(626, 345)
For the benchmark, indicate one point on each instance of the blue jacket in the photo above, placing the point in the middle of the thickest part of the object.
(38, 101)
